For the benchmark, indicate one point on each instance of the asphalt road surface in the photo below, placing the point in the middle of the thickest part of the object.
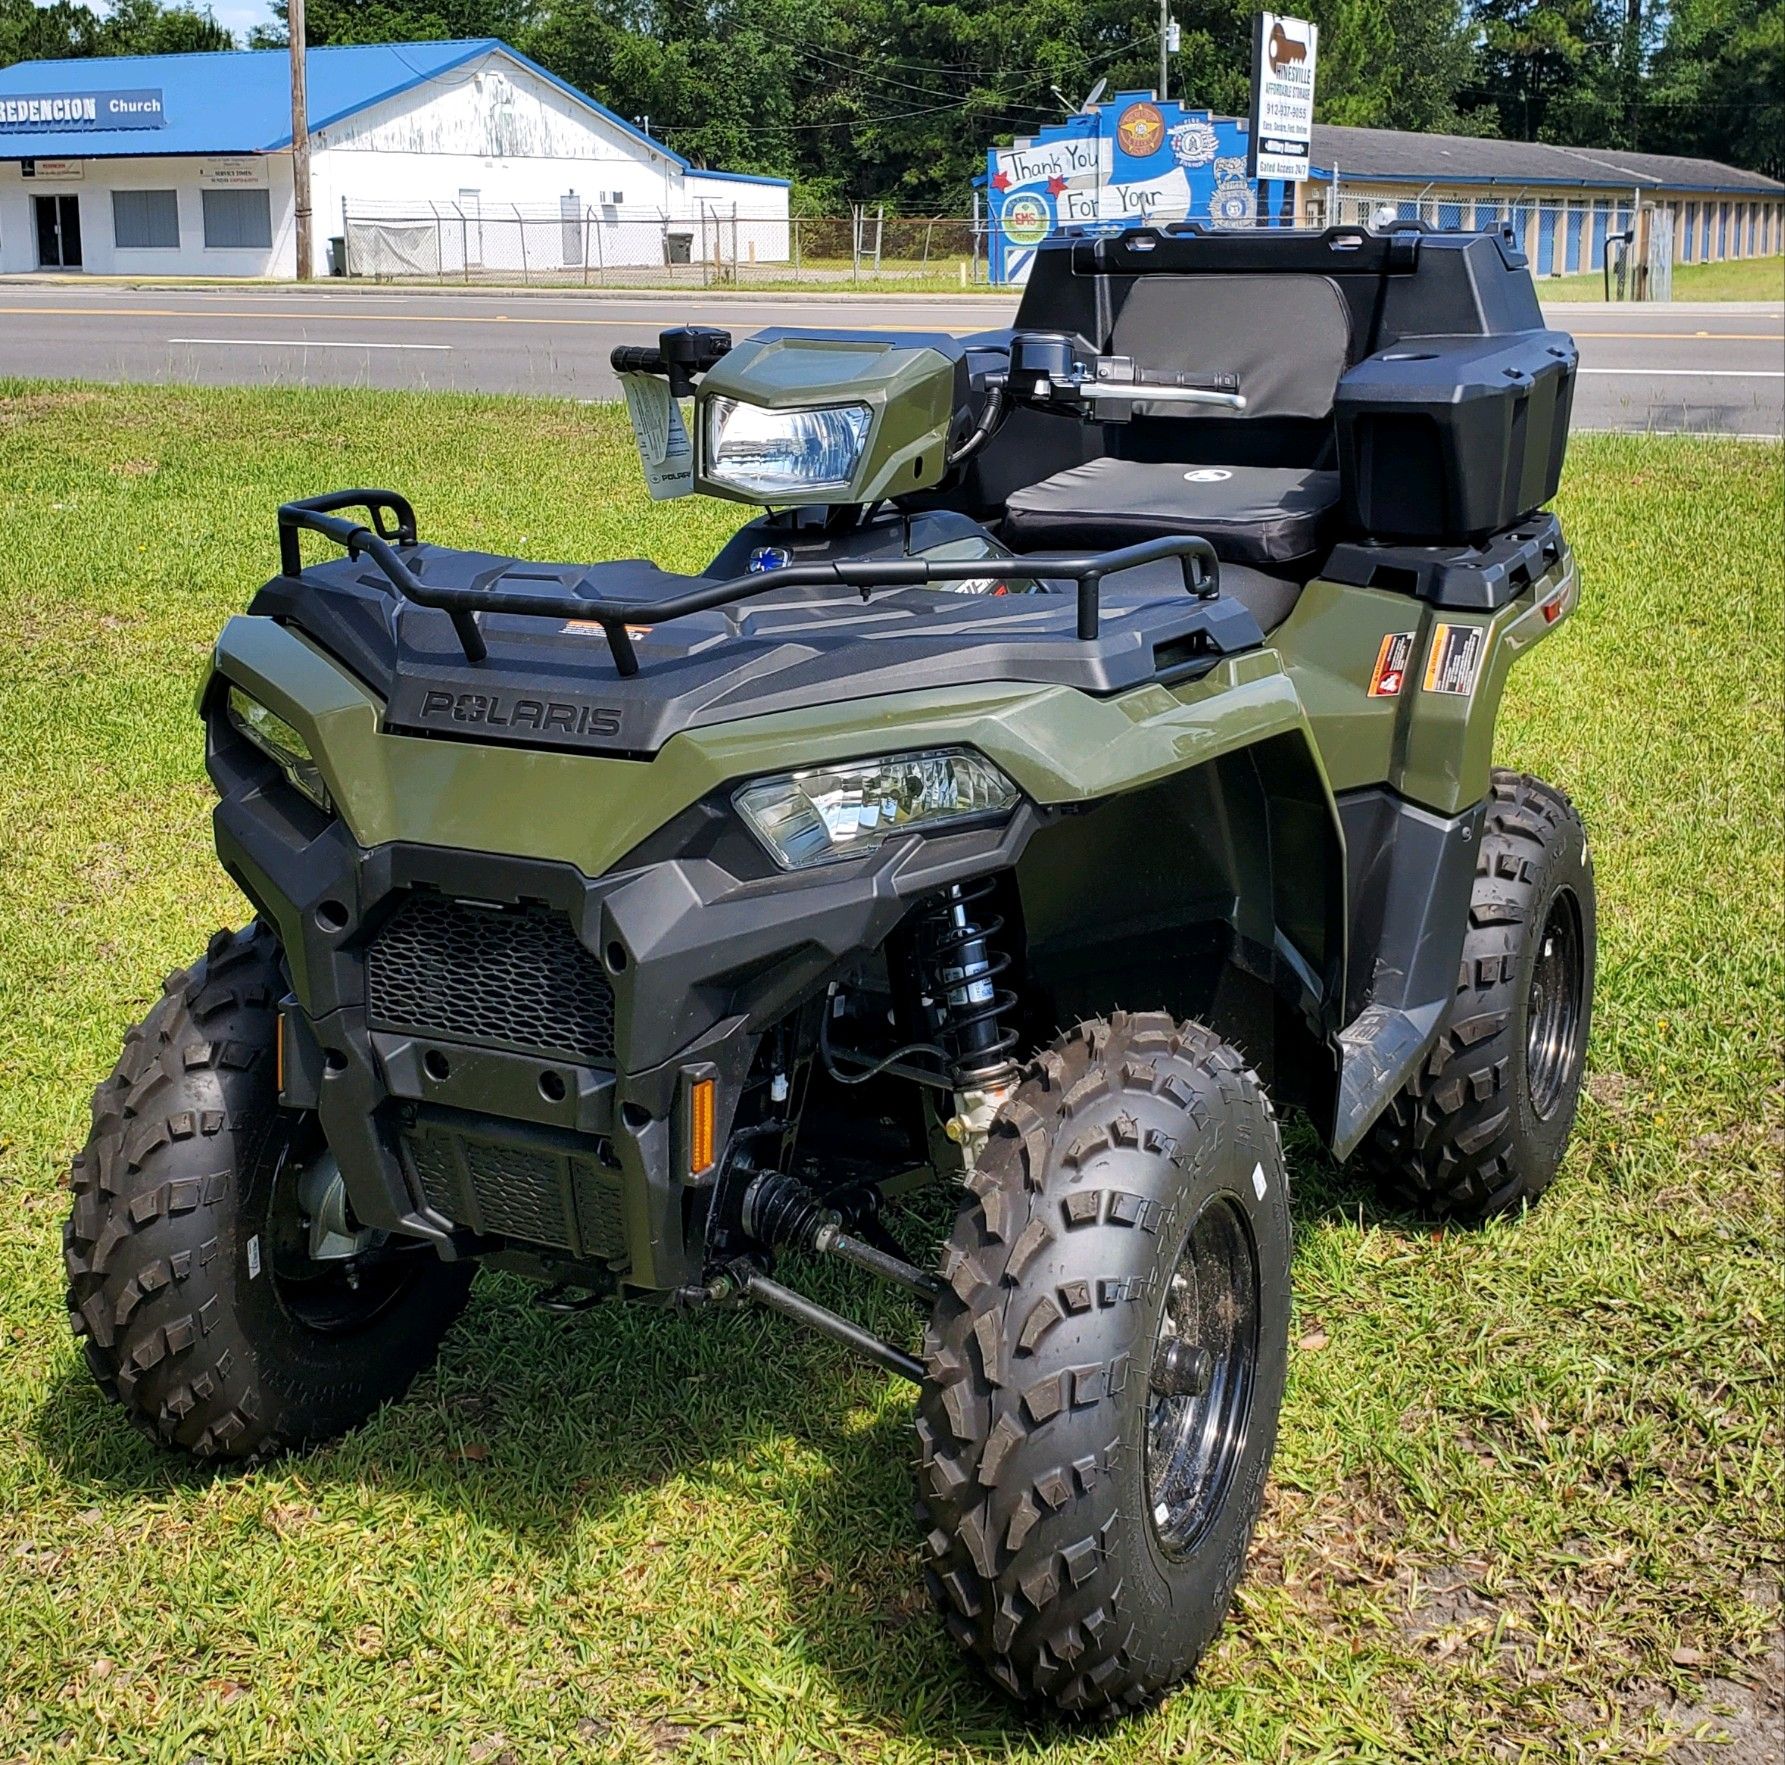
(1690, 368)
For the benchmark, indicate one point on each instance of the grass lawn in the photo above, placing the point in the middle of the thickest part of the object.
(1529, 1496)
(1746, 278)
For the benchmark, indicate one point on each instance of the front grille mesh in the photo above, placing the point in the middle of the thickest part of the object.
(535, 1193)
(517, 1192)
(513, 978)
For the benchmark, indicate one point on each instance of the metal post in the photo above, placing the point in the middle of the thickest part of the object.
(300, 138)
(879, 234)
(521, 225)
(1164, 56)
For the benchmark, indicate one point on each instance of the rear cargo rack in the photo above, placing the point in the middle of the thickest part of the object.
(385, 546)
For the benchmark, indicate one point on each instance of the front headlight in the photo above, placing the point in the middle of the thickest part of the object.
(835, 812)
(275, 738)
(784, 453)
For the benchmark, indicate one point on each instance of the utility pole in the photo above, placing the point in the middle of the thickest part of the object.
(300, 137)
(1164, 57)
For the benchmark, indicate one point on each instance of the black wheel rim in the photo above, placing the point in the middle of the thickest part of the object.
(335, 1296)
(1205, 1361)
(1553, 1006)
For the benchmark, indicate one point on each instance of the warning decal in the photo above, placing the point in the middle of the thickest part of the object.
(1391, 665)
(1454, 661)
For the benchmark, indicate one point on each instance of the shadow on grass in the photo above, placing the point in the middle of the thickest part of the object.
(537, 1425)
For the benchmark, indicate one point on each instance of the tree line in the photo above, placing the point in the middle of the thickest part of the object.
(895, 101)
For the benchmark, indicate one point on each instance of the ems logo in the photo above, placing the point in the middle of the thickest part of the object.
(1027, 219)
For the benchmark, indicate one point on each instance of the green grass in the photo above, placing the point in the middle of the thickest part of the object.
(1746, 278)
(1527, 1500)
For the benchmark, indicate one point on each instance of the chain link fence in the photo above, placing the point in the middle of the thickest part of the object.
(581, 244)
(1610, 246)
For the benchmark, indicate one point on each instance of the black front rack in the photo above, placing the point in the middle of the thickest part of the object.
(385, 547)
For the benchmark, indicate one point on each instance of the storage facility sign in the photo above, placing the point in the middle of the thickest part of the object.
(56, 111)
(1123, 164)
(1284, 51)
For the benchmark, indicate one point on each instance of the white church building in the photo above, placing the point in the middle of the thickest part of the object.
(457, 158)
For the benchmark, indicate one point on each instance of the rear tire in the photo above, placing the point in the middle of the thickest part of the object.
(189, 1278)
(1481, 1128)
(1087, 1525)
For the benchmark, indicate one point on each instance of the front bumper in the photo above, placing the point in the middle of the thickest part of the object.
(480, 1142)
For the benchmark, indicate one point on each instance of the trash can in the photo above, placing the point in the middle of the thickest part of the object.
(337, 255)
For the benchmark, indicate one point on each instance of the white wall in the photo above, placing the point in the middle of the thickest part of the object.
(490, 126)
(99, 252)
(495, 127)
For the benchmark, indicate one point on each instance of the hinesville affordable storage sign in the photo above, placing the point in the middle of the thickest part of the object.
(1284, 51)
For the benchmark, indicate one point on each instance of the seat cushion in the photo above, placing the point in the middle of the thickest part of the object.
(1249, 514)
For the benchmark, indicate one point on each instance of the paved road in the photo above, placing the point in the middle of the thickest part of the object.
(1696, 368)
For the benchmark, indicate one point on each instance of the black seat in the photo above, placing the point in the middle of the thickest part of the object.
(1249, 514)
(1258, 483)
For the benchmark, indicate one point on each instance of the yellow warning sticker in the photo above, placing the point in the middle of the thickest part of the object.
(1390, 673)
(1453, 663)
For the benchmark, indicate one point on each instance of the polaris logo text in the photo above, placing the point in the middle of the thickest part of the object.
(494, 711)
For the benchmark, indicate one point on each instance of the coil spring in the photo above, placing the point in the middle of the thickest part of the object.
(961, 970)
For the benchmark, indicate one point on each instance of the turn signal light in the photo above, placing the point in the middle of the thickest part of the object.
(702, 1110)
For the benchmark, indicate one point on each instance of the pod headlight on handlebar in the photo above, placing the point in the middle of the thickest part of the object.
(842, 811)
(769, 453)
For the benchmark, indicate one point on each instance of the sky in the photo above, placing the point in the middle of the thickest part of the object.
(241, 16)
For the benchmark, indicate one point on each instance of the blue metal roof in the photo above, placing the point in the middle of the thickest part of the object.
(239, 101)
(695, 171)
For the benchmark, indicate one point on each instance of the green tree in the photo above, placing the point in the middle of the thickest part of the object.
(29, 32)
(146, 27)
(1718, 83)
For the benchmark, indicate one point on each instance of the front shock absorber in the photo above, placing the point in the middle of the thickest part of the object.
(959, 965)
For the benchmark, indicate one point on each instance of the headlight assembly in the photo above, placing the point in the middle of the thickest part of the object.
(768, 453)
(280, 743)
(832, 812)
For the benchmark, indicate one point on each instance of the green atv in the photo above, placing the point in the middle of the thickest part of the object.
(1132, 670)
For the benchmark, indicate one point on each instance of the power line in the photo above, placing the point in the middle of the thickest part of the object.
(992, 106)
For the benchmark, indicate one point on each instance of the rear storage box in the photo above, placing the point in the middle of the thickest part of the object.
(1447, 439)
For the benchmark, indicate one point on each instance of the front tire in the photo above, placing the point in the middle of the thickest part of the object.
(1480, 1129)
(1106, 1365)
(189, 1274)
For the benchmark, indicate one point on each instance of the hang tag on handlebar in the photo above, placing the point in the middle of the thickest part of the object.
(664, 449)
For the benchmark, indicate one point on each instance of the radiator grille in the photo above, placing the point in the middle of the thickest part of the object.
(513, 978)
